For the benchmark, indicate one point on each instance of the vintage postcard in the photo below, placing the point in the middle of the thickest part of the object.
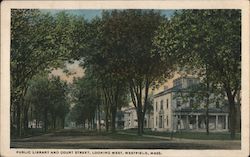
(125, 78)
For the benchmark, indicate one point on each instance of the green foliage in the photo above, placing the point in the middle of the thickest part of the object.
(86, 99)
(39, 42)
(121, 53)
(207, 43)
(201, 38)
(199, 93)
(140, 64)
(48, 97)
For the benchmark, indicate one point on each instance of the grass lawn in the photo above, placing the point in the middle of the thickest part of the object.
(125, 137)
(85, 135)
(191, 135)
(104, 135)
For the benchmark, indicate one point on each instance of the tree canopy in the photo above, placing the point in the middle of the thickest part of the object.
(209, 43)
(39, 42)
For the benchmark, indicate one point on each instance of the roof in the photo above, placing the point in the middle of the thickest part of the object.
(175, 88)
(185, 77)
(129, 109)
(170, 90)
(211, 110)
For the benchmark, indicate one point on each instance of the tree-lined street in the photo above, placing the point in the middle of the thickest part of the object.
(125, 55)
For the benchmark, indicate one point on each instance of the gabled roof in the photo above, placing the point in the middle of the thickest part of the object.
(170, 90)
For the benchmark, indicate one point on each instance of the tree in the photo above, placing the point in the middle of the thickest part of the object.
(208, 41)
(39, 42)
(102, 66)
(60, 105)
(86, 99)
(49, 99)
(150, 107)
(121, 52)
(128, 45)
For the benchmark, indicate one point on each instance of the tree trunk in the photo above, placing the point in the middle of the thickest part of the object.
(207, 114)
(54, 122)
(89, 125)
(107, 120)
(232, 112)
(18, 120)
(148, 123)
(207, 101)
(139, 121)
(13, 120)
(142, 124)
(99, 117)
(63, 122)
(36, 122)
(45, 120)
(207, 119)
(238, 111)
(93, 123)
(113, 116)
(238, 117)
(26, 118)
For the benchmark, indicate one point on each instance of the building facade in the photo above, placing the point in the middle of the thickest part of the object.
(130, 119)
(171, 113)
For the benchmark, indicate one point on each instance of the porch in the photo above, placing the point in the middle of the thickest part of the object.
(197, 121)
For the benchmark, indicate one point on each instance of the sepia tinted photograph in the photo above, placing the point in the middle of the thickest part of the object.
(127, 78)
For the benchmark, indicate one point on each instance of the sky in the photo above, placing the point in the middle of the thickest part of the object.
(89, 14)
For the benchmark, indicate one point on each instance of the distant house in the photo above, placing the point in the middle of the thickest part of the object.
(130, 119)
(171, 113)
(35, 124)
(119, 119)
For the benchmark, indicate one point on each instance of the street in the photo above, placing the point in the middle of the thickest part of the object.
(78, 139)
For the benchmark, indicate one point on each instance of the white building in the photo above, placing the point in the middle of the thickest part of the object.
(35, 124)
(130, 119)
(171, 113)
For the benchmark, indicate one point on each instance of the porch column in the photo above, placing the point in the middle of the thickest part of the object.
(216, 122)
(197, 121)
(226, 122)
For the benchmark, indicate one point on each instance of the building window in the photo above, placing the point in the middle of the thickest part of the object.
(167, 103)
(156, 121)
(156, 106)
(161, 104)
(167, 120)
(160, 122)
